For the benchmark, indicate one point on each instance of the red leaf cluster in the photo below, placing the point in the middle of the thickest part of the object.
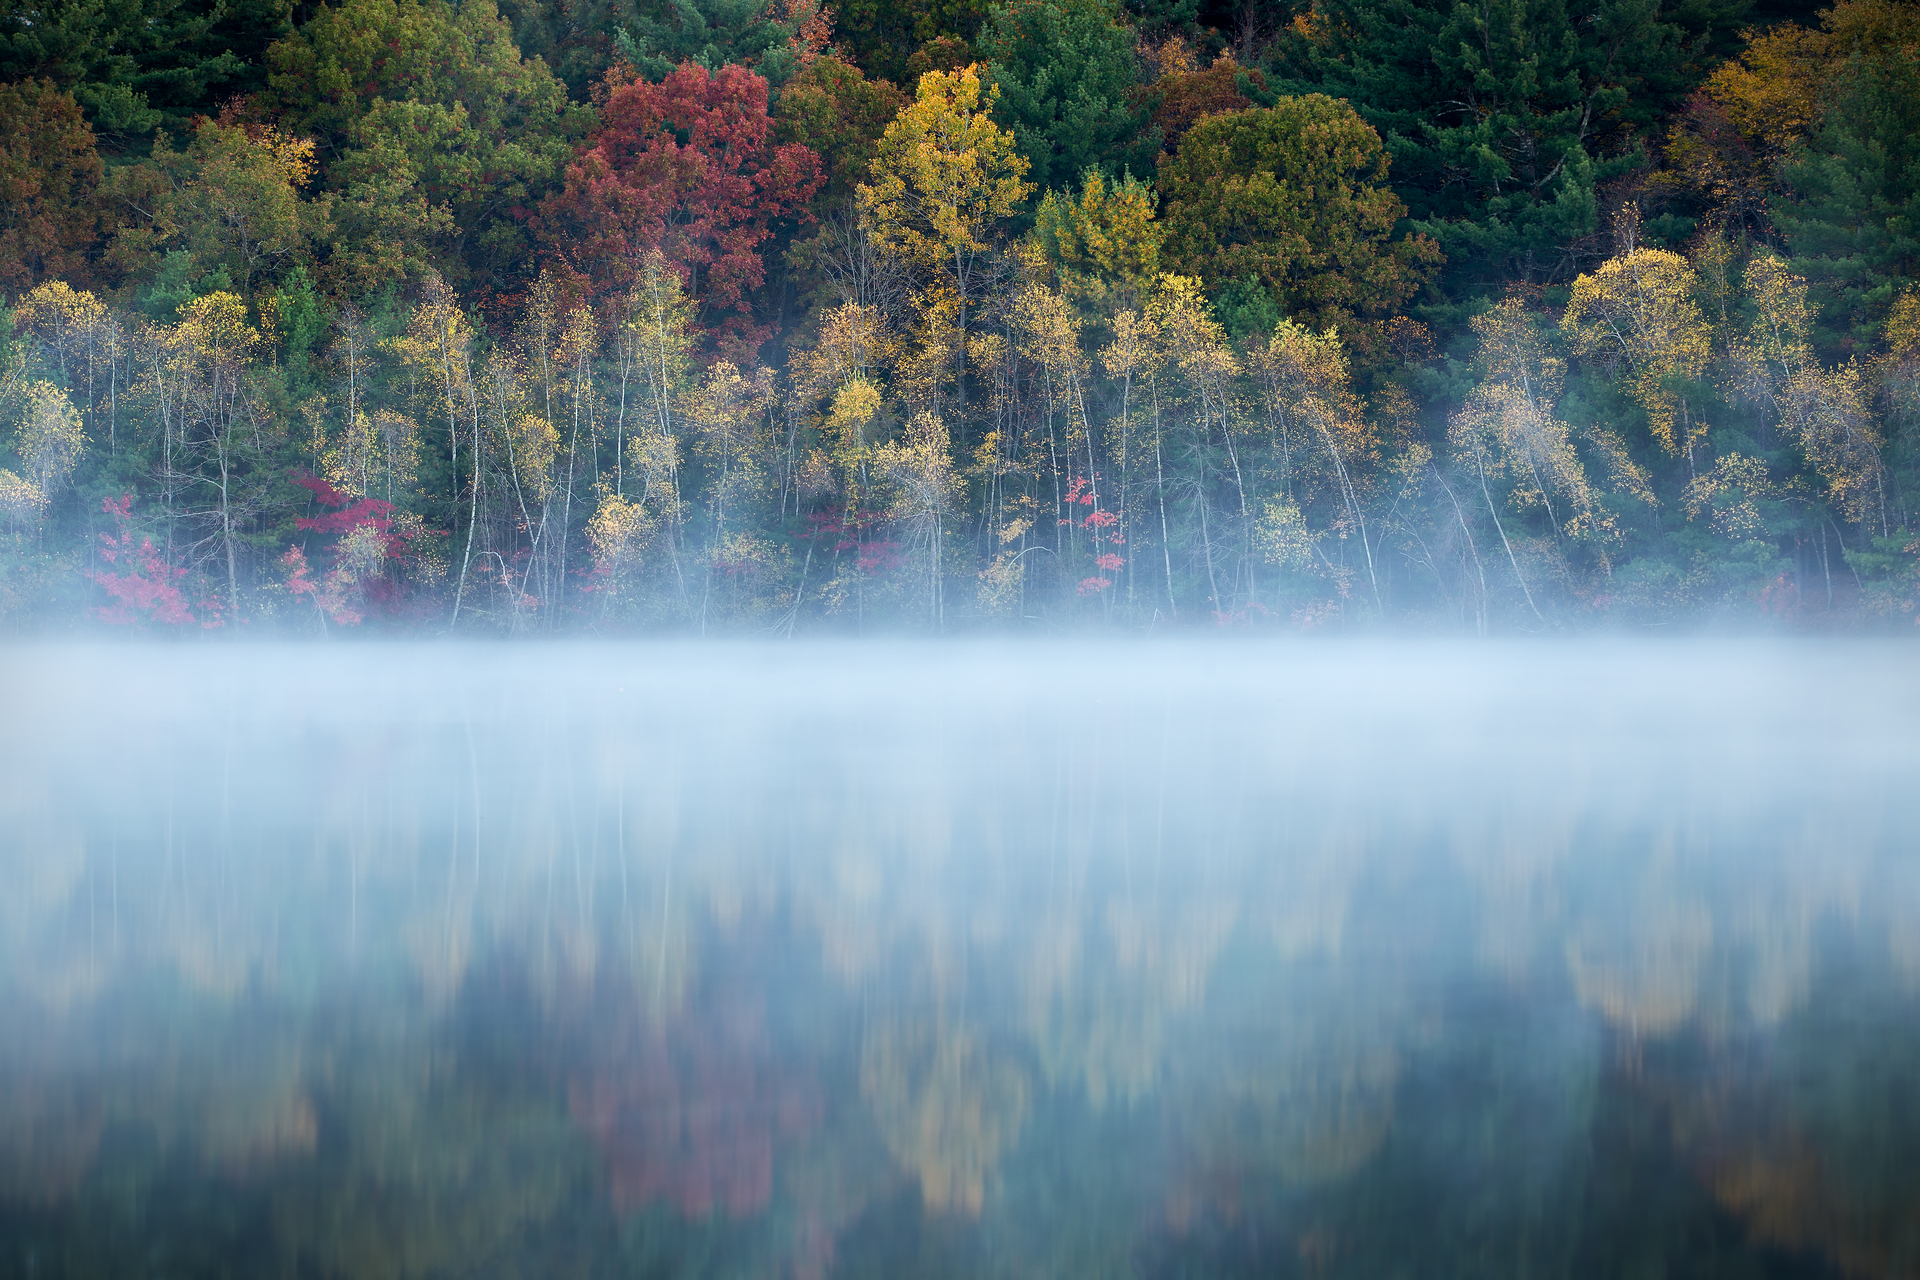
(686, 167)
(149, 589)
(376, 513)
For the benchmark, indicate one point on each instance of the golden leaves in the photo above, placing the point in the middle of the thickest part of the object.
(1109, 228)
(1510, 425)
(215, 327)
(1771, 92)
(947, 1108)
(21, 502)
(945, 173)
(856, 406)
(533, 443)
(1732, 492)
(854, 346)
(56, 314)
(51, 440)
(619, 533)
(1638, 310)
(1283, 537)
(1825, 411)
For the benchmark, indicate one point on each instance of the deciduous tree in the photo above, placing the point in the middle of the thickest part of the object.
(686, 167)
(1637, 315)
(945, 179)
(49, 174)
(432, 130)
(1293, 196)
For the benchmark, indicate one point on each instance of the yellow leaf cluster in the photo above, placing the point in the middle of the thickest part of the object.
(1638, 311)
(51, 441)
(946, 1108)
(1108, 228)
(944, 173)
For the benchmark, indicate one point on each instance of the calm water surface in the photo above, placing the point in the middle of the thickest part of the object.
(1074, 960)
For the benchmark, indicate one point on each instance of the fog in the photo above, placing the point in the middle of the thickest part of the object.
(1046, 959)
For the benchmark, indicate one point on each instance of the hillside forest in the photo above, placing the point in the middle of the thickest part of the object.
(715, 316)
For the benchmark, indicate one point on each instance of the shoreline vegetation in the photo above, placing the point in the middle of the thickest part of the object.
(573, 317)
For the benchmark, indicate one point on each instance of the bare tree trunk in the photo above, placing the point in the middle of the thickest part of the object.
(1494, 511)
(1160, 485)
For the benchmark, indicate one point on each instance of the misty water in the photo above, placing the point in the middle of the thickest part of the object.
(1068, 959)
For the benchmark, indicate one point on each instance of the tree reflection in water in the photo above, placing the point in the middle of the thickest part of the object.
(776, 966)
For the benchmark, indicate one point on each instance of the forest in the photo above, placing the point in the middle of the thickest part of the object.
(727, 317)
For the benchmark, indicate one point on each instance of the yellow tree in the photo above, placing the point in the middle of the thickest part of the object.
(1104, 238)
(76, 334)
(1047, 335)
(1195, 347)
(525, 447)
(1824, 411)
(439, 345)
(729, 413)
(1132, 360)
(1900, 370)
(1307, 392)
(653, 361)
(947, 1108)
(49, 446)
(1509, 431)
(216, 434)
(846, 368)
(944, 178)
(556, 342)
(1637, 314)
(51, 440)
(919, 469)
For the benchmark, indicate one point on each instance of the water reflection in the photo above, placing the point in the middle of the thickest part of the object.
(960, 961)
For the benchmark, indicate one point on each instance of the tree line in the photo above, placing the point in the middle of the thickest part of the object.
(433, 314)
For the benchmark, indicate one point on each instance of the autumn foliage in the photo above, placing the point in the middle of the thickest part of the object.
(766, 317)
(686, 167)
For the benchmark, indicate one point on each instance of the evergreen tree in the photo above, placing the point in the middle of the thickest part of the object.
(433, 133)
(1504, 120)
(140, 64)
(1066, 71)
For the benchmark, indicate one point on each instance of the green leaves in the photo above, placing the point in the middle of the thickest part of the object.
(1066, 71)
(1504, 119)
(1292, 196)
(137, 64)
(1854, 222)
(434, 133)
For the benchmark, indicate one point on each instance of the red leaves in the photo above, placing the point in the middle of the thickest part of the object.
(372, 513)
(876, 556)
(330, 595)
(1082, 491)
(880, 557)
(320, 489)
(684, 166)
(148, 590)
(845, 528)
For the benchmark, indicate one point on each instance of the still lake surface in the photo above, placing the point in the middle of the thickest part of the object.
(1055, 960)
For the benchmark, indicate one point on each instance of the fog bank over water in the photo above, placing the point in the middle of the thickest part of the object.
(1065, 958)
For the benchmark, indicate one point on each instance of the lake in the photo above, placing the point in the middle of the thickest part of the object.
(1063, 959)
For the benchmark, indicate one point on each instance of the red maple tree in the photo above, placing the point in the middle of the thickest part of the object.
(686, 167)
(147, 590)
